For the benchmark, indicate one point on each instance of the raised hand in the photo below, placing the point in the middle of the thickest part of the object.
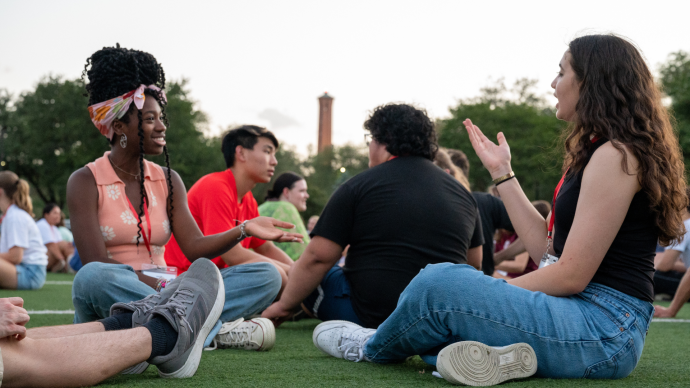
(495, 158)
(13, 317)
(266, 228)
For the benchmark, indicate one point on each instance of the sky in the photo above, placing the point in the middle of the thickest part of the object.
(267, 62)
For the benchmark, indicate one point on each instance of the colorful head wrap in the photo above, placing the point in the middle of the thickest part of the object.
(104, 113)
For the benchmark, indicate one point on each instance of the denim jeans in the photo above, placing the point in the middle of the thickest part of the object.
(598, 333)
(249, 289)
(331, 299)
(30, 276)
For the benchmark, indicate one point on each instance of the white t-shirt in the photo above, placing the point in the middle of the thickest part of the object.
(684, 246)
(20, 230)
(49, 233)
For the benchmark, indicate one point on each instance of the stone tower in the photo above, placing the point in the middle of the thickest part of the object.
(325, 121)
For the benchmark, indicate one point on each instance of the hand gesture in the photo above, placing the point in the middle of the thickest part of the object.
(663, 312)
(277, 313)
(266, 228)
(495, 158)
(13, 317)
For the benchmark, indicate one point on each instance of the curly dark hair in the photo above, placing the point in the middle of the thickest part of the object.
(115, 71)
(620, 101)
(404, 130)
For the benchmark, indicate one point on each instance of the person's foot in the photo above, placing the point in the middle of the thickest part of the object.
(192, 311)
(253, 334)
(476, 364)
(342, 339)
(141, 310)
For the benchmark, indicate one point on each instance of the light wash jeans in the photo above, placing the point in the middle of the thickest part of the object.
(249, 289)
(598, 333)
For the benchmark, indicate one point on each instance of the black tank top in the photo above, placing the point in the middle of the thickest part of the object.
(628, 265)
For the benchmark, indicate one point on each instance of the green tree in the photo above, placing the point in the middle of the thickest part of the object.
(531, 129)
(675, 79)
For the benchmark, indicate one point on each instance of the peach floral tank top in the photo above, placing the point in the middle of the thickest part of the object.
(119, 224)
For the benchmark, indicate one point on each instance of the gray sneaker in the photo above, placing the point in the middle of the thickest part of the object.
(192, 311)
(141, 309)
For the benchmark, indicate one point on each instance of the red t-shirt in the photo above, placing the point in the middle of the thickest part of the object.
(213, 203)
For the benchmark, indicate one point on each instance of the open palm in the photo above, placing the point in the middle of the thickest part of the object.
(266, 228)
(495, 158)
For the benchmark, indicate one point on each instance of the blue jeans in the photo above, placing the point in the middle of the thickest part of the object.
(249, 289)
(30, 276)
(598, 333)
(331, 299)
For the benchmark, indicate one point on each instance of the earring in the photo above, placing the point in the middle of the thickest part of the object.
(123, 141)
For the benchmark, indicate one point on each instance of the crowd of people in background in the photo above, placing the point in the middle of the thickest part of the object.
(405, 259)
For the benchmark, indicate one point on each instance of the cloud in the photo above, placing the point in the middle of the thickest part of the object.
(277, 119)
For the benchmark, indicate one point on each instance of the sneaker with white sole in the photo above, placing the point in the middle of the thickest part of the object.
(141, 309)
(342, 339)
(253, 334)
(476, 364)
(192, 311)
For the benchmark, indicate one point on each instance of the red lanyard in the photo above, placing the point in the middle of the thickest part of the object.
(147, 241)
(555, 194)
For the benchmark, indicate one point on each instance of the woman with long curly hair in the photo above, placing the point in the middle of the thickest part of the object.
(125, 208)
(586, 312)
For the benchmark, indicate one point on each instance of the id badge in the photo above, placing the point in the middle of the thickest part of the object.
(157, 271)
(547, 260)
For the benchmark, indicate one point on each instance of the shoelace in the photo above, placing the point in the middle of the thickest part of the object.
(352, 347)
(145, 305)
(235, 337)
(226, 328)
(175, 304)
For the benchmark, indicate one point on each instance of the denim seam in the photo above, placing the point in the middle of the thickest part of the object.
(400, 333)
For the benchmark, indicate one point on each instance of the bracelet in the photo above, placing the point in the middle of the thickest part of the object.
(243, 234)
(162, 282)
(504, 178)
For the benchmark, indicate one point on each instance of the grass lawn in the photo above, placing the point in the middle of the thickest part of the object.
(295, 362)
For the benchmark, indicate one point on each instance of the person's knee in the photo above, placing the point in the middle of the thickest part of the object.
(94, 275)
(271, 278)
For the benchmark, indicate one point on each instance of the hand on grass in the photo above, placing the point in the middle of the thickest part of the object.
(663, 312)
(266, 228)
(277, 313)
(13, 317)
(495, 158)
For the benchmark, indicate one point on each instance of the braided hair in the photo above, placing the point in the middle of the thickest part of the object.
(115, 71)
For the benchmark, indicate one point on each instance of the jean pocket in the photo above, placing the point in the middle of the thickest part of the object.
(618, 366)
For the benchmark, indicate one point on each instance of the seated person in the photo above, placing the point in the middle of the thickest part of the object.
(59, 250)
(65, 233)
(312, 223)
(514, 263)
(491, 210)
(23, 256)
(124, 208)
(674, 260)
(399, 216)
(284, 202)
(88, 353)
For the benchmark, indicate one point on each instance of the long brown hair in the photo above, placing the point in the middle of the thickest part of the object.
(443, 160)
(620, 101)
(17, 190)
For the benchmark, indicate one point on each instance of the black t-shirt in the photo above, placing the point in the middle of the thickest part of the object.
(494, 216)
(628, 265)
(398, 217)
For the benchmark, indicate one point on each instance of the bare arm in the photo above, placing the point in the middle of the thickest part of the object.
(54, 250)
(271, 251)
(319, 257)
(605, 196)
(517, 265)
(682, 296)
(474, 257)
(514, 249)
(666, 260)
(14, 255)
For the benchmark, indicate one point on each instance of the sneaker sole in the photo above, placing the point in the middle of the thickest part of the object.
(136, 369)
(269, 333)
(473, 363)
(190, 366)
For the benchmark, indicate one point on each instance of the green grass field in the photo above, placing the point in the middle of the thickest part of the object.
(295, 362)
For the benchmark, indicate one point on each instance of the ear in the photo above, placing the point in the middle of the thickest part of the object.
(286, 191)
(240, 154)
(118, 127)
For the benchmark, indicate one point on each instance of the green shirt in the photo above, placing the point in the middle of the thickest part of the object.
(285, 211)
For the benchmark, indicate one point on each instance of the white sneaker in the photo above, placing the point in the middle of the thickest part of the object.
(254, 334)
(476, 364)
(342, 339)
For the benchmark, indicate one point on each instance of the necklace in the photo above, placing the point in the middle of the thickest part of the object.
(128, 173)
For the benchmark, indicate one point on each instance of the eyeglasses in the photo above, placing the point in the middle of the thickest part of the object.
(367, 138)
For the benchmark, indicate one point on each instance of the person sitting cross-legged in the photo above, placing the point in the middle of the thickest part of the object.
(169, 334)
(397, 217)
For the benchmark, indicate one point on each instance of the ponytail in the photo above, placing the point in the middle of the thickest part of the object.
(17, 190)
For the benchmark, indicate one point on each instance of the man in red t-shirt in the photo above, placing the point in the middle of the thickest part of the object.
(221, 201)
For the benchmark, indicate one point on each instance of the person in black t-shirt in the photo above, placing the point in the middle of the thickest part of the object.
(399, 216)
(585, 315)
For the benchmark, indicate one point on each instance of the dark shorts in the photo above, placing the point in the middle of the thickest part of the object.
(331, 299)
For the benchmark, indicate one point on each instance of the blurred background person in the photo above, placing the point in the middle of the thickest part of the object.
(59, 250)
(311, 224)
(23, 256)
(284, 202)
